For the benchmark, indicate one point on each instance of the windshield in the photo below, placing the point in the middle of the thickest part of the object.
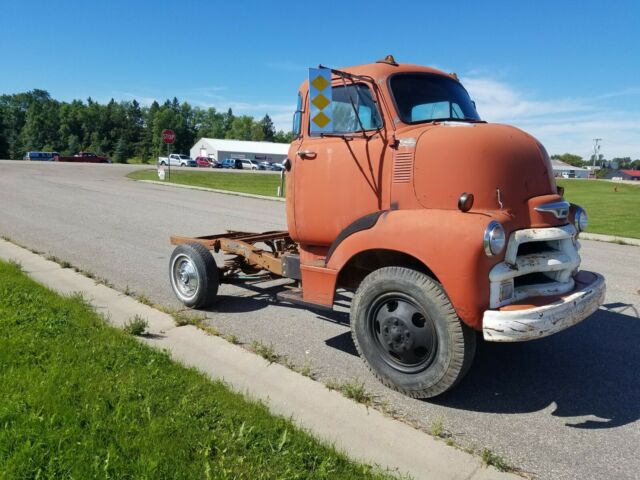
(423, 97)
(185, 157)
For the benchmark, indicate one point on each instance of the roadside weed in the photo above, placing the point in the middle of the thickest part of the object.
(351, 389)
(231, 339)
(493, 459)
(136, 325)
(265, 351)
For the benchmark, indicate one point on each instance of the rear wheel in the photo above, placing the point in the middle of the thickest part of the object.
(405, 327)
(194, 275)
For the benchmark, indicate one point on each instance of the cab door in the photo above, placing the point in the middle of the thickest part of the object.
(338, 177)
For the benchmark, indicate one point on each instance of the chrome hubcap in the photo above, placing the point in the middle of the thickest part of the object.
(185, 276)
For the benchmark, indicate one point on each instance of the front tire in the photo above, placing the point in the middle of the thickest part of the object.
(409, 334)
(194, 275)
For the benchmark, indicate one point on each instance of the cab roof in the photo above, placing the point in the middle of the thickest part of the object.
(381, 69)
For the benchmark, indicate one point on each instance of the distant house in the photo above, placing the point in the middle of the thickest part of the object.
(564, 170)
(624, 175)
(222, 149)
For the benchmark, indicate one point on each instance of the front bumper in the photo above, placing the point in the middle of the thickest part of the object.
(508, 325)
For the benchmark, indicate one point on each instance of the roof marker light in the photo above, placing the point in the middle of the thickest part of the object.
(388, 60)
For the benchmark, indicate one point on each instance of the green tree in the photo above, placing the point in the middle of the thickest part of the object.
(283, 137)
(241, 128)
(73, 145)
(4, 133)
(268, 128)
(121, 153)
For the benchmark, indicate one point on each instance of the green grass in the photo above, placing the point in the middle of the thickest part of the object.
(610, 212)
(255, 183)
(80, 399)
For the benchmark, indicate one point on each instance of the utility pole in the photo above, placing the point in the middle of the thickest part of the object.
(596, 150)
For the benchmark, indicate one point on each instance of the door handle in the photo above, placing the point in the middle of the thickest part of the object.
(306, 154)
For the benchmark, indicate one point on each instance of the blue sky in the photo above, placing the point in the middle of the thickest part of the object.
(566, 72)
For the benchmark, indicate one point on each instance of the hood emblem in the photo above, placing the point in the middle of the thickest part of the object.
(558, 209)
(407, 142)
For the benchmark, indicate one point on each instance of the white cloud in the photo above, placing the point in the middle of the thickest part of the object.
(564, 124)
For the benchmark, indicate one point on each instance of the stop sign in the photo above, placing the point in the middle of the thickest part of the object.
(168, 136)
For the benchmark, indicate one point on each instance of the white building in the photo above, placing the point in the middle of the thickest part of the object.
(564, 170)
(221, 149)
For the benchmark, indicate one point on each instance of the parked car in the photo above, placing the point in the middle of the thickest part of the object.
(277, 167)
(83, 157)
(177, 160)
(264, 165)
(203, 162)
(248, 164)
(41, 156)
(231, 163)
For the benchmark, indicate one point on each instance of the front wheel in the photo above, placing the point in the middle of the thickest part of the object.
(194, 275)
(405, 327)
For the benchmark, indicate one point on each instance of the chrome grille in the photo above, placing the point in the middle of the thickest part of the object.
(538, 262)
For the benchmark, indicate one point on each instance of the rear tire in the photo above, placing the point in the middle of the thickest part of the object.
(194, 275)
(409, 334)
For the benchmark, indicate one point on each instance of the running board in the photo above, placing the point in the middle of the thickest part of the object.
(294, 295)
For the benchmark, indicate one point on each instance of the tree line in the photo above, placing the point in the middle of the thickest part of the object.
(617, 162)
(33, 121)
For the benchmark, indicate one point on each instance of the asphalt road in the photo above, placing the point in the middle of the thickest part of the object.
(564, 407)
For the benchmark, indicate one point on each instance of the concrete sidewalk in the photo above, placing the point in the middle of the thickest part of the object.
(364, 434)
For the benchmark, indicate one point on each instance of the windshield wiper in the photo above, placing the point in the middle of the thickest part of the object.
(450, 119)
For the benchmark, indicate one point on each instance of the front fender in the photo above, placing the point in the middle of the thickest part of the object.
(447, 242)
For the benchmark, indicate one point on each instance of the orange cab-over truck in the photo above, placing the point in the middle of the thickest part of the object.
(444, 226)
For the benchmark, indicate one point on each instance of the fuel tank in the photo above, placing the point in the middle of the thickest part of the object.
(501, 165)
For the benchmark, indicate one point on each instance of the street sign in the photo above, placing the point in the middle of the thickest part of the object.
(168, 136)
(320, 94)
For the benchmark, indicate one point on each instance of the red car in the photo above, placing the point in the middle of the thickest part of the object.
(204, 162)
(84, 157)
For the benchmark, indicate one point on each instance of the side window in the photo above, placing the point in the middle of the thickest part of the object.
(345, 98)
(297, 118)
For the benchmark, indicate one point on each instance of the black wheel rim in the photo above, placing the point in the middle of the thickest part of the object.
(404, 335)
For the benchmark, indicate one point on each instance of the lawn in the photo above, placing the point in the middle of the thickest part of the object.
(610, 212)
(80, 399)
(255, 183)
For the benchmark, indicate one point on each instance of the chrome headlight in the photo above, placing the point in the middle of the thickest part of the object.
(581, 219)
(494, 239)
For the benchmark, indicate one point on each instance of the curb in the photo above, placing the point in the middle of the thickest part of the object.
(215, 190)
(364, 434)
(610, 238)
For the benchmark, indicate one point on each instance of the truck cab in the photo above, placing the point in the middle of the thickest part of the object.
(443, 225)
(411, 182)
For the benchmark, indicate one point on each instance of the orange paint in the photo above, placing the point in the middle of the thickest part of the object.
(415, 173)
